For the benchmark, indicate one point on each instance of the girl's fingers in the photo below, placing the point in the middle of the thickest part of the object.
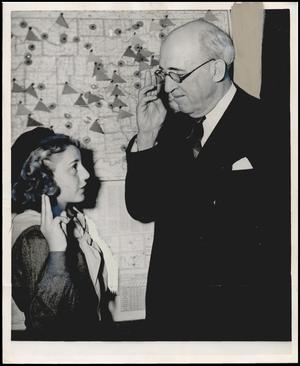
(43, 213)
(49, 215)
(61, 219)
(62, 222)
(80, 218)
(64, 228)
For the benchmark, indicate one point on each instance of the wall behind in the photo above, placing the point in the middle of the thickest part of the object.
(79, 72)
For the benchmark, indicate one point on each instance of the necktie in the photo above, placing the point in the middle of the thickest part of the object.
(194, 139)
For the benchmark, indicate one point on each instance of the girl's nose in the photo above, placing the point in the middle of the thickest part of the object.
(84, 174)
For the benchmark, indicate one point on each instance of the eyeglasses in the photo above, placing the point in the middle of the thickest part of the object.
(161, 74)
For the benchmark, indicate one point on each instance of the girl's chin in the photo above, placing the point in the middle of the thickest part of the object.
(78, 199)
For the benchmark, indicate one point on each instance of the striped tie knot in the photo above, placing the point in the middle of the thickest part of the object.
(194, 139)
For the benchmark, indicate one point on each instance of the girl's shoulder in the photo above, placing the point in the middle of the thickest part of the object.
(26, 226)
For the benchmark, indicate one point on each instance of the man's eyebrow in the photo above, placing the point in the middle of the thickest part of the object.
(172, 68)
(175, 69)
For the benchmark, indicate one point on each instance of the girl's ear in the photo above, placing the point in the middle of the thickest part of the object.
(48, 163)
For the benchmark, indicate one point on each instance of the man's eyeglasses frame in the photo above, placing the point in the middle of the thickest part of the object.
(161, 74)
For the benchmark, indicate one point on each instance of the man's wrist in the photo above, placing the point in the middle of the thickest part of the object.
(145, 141)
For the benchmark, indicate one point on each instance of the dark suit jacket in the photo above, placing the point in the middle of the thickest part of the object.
(219, 266)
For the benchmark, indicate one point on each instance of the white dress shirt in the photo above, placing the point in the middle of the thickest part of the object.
(214, 116)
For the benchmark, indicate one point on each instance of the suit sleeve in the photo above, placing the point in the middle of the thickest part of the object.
(142, 183)
(41, 280)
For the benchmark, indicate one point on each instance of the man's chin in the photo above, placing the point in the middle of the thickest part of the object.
(174, 106)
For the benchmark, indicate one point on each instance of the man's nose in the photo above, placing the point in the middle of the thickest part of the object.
(170, 84)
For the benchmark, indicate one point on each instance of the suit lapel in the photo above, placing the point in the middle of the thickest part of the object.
(221, 148)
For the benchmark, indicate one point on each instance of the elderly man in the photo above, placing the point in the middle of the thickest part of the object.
(201, 168)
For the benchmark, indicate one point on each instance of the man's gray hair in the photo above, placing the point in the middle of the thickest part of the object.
(216, 42)
(213, 41)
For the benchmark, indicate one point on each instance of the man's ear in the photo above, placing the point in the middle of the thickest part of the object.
(219, 70)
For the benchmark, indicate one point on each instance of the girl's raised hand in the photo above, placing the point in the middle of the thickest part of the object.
(53, 229)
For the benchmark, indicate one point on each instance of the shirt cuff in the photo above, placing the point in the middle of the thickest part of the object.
(133, 147)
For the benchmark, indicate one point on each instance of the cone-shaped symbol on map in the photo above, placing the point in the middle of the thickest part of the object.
(124, 114)
(96, 127)
(139, 57)
(154, 26)
(91, 98)
(17, 88)
(118, 103)
(30, 90)
(110, 87)
(101, 75)
(32, 122)
(136, 40)
(146, 53)
(117, 78)
(98, 68)
(210, 17)
(61, 21)
(143, 66)
(68, 89)
(22, 110)
(166, 22)
(31, 36)
(92, 57)
(129, 52)
(95, 68)
(154, 62)
(117, 91)
(41, 106)
(80, 101)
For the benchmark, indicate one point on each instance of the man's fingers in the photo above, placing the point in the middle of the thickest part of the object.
(148, 78)
(145, 90)
(153, 82)
(148, 99)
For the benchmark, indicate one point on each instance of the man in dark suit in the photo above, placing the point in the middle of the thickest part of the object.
(204, 168)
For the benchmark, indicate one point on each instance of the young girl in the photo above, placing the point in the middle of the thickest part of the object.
(63, 274)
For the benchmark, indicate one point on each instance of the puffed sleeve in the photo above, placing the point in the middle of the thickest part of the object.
(41, 282)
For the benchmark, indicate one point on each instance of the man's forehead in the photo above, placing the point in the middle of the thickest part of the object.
(177, 53)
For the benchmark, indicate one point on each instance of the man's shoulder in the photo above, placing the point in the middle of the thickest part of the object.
(247, 110)
(245, 99)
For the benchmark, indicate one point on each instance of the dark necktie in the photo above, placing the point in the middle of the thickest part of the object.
(194, 139)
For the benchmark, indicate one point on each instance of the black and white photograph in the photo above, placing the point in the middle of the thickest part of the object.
(149, 182)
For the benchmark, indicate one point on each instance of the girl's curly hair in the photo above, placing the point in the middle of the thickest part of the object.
(36, 178)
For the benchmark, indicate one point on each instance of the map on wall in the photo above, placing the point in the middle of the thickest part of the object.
(79, 72)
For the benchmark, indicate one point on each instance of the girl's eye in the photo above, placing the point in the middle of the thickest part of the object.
(74, 168)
